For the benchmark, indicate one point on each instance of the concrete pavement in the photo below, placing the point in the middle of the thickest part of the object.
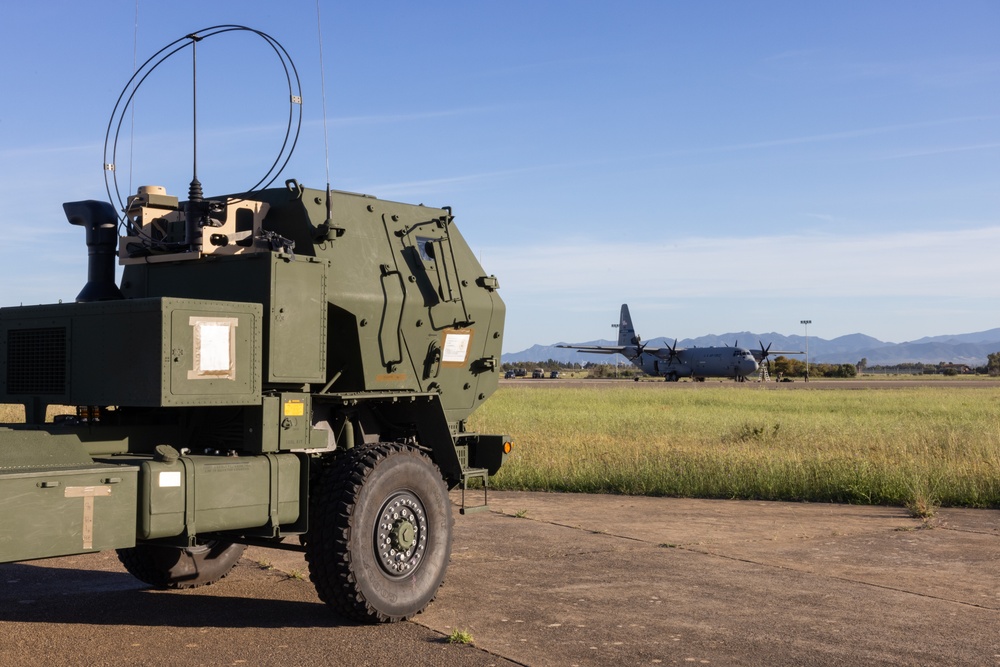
(625, 580)
(564, 579)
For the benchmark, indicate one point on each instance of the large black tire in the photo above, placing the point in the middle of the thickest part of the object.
(173, 567)
(379, 538)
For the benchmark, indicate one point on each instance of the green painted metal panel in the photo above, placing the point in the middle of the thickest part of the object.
(199, 494)
(296, 420)
(297, 332)
(61, 510)
(290, 289)
(136, 352)
(213, 354)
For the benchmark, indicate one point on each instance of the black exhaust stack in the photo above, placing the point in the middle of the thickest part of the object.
(101, 222)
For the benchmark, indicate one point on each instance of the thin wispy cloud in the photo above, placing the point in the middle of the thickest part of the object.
(34, 150)
(208, 130)
(384, 119)
(843, 67)
(944, 72)
(922, 264)
(837, 136)
(433, 185)
(943, 150)
(554, 64)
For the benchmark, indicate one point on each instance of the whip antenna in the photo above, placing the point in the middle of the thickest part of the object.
(192, 213)
(326, 134)
(135, 63)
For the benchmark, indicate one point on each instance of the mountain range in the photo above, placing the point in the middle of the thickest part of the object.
(971, 349)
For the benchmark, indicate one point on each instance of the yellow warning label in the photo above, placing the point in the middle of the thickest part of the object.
(294, 408)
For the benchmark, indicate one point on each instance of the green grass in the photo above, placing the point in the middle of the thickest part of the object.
(460, 637)
(917, 447)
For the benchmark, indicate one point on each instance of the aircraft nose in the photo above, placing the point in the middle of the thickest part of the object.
(749, 366)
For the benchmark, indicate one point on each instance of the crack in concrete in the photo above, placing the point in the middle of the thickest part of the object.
(475, 646)
(693, 549)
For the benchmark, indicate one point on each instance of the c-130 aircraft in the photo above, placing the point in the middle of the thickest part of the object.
(673, 363)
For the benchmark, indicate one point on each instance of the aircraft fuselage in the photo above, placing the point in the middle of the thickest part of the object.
(699, 363)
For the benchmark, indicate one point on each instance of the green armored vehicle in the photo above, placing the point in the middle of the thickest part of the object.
(285, 367)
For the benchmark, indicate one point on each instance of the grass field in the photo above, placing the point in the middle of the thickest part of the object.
(919, 447)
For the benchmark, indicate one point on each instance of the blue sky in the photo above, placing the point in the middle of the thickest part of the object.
(720, 166)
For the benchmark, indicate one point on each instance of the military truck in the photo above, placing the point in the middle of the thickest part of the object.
(286, 367)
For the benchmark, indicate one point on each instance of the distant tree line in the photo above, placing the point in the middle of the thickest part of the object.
(610, 370)
(993, 364)
(787, 367)
(589, 369)
(941, 368)
(784, 367)
(550, 365)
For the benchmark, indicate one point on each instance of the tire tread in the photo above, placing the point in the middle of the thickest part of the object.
(332, 517)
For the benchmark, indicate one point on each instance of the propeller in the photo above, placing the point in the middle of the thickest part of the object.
(673, 353)
(763, 354)
(639, 346)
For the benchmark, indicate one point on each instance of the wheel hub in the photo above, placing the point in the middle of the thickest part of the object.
(401, 534)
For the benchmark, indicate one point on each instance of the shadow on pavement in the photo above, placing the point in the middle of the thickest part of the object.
(58, 595)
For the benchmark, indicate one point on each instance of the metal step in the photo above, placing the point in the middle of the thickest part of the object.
(473, 473)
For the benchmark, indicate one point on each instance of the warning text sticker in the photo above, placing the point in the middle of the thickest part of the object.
(456, 347)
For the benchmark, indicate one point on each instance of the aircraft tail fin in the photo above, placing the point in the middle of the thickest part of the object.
(626, 332)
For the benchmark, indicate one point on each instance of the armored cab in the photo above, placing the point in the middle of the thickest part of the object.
(291, 363)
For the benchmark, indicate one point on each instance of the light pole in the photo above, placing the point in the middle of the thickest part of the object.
(806, 324)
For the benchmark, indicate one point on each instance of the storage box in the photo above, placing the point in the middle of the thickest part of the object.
(200, 494)
(61, 510)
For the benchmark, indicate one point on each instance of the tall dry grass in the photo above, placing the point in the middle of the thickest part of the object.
(918, 447)
(14, 414)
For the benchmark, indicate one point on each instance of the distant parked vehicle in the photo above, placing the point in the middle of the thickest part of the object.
(554, 375)
(508, 375)
(520, 372)
(537, 373)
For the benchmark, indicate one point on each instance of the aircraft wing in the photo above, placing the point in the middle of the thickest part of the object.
(624, 350)
(758, 354)
(597, 349)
